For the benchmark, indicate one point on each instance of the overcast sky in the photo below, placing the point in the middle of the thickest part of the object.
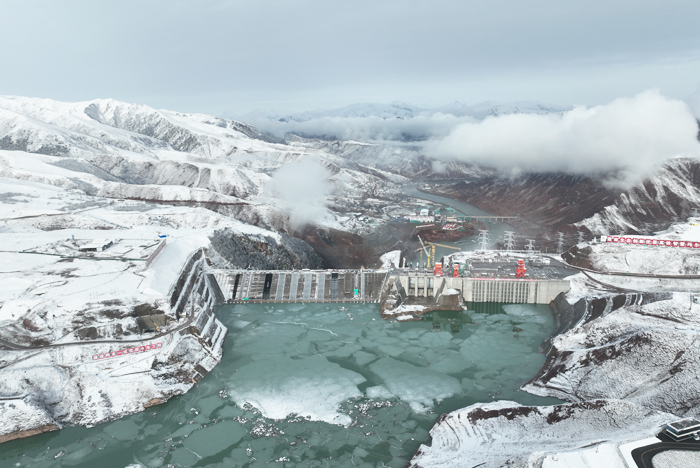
(237, 55)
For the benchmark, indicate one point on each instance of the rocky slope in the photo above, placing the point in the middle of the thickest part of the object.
(548, 201)
(671, 194)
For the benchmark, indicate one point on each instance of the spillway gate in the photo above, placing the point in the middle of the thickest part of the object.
(300, 285)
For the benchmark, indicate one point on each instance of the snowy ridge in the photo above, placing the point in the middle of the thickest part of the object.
(503, 433)
(671, 194)
(119, 150)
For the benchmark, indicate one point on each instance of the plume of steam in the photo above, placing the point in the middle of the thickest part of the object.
(628, 137)
(300, 188)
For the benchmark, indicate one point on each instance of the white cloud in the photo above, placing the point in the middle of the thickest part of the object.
(366, 128)
(628, 137)
(694, 102)
(301, 187)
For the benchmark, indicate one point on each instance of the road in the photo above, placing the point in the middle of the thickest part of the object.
(642, 456)
(17, 347)
(623, 273)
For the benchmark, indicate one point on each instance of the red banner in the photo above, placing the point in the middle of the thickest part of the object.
(124, 352)
(651, 242)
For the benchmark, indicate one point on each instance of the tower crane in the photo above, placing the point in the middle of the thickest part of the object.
(431, 255)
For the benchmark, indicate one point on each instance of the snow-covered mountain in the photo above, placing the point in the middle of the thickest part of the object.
(391, 122)
(671, 194)
(120, 150)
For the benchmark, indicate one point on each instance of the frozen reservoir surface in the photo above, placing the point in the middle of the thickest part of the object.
(316, 385)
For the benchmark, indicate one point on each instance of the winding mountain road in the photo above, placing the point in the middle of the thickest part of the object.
(17, 347)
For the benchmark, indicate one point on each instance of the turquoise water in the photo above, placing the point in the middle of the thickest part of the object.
(364, 391)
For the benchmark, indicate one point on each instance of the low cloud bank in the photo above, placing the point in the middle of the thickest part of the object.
(300, 188)
(627, 137)
(395, 122)
(368, 128)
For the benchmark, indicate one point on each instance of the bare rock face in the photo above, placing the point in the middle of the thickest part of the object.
(669, 195)
(546, 200)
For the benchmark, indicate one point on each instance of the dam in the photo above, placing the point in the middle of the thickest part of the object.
(490, 283)
(474, 289)
(300, 285)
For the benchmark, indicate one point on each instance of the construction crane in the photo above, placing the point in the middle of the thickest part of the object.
(431, 255)
(421, 250)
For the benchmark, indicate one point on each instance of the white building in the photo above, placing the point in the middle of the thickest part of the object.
(97, 245)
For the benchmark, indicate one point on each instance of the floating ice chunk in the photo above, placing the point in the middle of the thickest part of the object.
(319, 335)
(311, 387)
(362, 358)
(185, 430)
(435, 339)
(213, 439)
(78, 456)
(449, 362)
(125, 429)
(240, 324)
(405, 318)
(521, 310)
(412, 333)
(209, 404)
(302, 347)
(344, 351)
(493, 349)
(416, 386)
(379, 392)
(391, 350)
(230, 412)
(269, 339)
(183, 457)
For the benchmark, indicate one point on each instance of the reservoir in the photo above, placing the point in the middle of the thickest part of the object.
(317, 385)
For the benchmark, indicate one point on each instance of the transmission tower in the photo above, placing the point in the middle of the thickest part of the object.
(484, 239)
(560, 242)
(530, 247)
(509, 240)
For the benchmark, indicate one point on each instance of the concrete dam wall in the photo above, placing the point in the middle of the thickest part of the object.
(369, 286)
(517, 291)
(300, 285)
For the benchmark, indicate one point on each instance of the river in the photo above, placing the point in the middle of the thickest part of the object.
(365, 391)
(496, 230)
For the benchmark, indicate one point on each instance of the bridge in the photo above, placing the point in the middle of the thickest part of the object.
(491, 218)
